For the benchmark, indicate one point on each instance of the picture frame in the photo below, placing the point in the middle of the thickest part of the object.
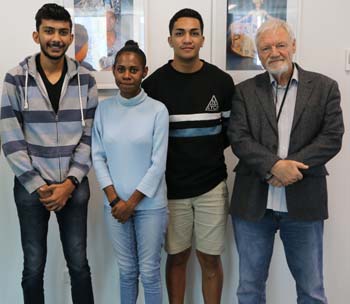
(239, 14)
(100, 28)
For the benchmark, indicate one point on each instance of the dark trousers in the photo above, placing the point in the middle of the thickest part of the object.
(72, 222)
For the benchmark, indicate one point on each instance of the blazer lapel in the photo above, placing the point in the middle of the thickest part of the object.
(264, 94)
(303, 95)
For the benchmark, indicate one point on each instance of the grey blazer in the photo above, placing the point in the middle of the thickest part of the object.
(315, 138)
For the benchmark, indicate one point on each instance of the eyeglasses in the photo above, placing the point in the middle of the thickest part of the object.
(268, 48)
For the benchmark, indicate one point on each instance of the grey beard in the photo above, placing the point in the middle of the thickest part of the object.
(278, 72)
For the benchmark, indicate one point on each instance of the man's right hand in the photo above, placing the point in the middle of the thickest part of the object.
(288, 171)
(59, 195)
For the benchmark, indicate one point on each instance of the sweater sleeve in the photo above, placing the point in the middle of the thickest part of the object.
(81, 159)
(150, 182)
(13, 142)
(98, 152)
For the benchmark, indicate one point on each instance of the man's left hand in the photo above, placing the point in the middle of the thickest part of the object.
(59, 197)
(274, 181)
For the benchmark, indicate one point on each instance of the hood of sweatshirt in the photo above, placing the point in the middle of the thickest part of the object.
(29, 66)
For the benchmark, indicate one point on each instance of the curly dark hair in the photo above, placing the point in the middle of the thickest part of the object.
(131, 46)
(186, 12)
(52, 11)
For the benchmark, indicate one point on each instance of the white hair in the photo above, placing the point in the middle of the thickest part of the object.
(274, 24)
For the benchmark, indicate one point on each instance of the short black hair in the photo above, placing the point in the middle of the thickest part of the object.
(186, 12)
(133, 47)
(52, 11)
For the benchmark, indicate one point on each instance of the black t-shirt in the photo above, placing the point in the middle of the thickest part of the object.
(53, 90)
(199, 104)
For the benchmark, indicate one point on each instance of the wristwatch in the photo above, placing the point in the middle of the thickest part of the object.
(114, 202)
(74, 180)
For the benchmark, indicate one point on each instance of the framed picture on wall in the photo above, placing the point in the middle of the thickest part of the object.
(101, 27)
(233, 40)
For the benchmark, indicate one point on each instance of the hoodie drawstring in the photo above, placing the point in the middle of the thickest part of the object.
(81, 103)
(26, 106)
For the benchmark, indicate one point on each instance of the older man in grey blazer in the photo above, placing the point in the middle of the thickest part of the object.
(285, 125)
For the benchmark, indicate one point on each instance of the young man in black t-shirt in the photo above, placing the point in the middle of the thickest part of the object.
(198, 97)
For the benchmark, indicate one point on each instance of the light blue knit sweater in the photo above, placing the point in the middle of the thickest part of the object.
(129, 147)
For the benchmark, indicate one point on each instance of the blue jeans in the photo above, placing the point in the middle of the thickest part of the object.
(72, 220)
(303, 243)
(137, 245)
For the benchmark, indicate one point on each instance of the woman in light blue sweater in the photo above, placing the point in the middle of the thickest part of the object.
(129, 149)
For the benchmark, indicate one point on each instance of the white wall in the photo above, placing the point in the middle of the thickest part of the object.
(323, 38)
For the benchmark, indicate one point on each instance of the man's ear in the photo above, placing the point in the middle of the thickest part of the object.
(71, 38)
(170, 41)
(294, 46)
(203, 39)
(35, 36)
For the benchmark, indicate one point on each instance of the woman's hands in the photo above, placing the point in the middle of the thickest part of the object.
(123, 210)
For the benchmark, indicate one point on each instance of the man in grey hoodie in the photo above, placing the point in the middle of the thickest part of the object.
(47, 109)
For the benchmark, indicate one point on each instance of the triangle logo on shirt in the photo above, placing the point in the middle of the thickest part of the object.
(213, 105)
